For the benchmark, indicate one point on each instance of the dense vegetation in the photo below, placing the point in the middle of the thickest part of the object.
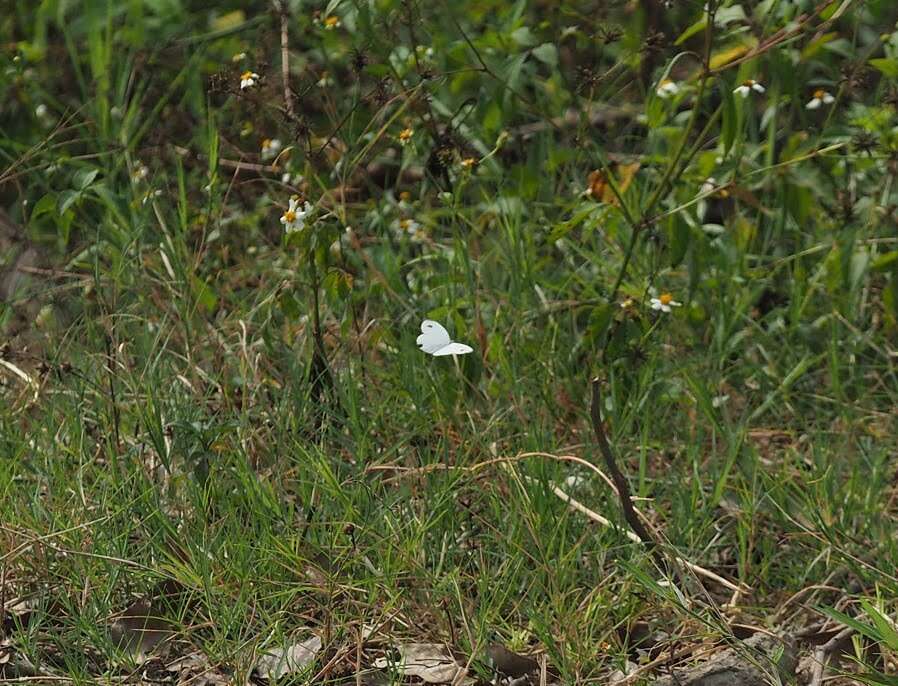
(222, 224)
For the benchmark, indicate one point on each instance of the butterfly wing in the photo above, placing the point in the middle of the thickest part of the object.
(433, 337)
(454, 349)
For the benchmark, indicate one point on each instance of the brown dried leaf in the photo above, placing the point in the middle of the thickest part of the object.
(510, 663)
(139, 629)
(431, 662)
(279, 662)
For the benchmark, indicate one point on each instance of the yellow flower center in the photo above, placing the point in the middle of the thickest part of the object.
(331, 22)
(468, 162)
(665, 298)
(290, 216)
(266, 143)
(818, 94)
(405, 134)
(405, 196)
(748, 83)
(246, 76)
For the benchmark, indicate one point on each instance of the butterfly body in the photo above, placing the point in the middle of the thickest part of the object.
(435, 340)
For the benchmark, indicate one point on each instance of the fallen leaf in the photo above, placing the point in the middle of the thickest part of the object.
(599, 188)
(510, 663)
(139, 629)
(431, 662)
(279, 662)
(196, 669)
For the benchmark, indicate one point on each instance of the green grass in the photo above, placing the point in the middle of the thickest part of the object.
(179, 438)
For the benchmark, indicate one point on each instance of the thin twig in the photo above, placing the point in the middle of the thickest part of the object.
(285, 60)
(823, 653)
(691, 566)
(620, 483)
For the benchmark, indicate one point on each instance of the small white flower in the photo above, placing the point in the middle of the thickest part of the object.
(291, 179)
(41, 111)
(332, 22)
(410, 226)
(149, 195)
(248, 79)
(667, 89)
(239, 57)
(325, 81)
(821, 97)
(270, 148)
(405, 136)
(141, 171)
(709, 185)
(664, 302)
(294, 219)
(747, 87)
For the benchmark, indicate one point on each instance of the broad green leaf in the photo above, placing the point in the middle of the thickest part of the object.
(546, 53)
(84, 177)
(887, 65)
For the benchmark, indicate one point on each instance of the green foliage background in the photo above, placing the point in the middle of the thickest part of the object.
(197, 399)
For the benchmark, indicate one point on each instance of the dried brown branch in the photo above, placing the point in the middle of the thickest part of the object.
(289, 105)
(620, 482)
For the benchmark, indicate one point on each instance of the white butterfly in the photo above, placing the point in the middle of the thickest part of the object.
(434, 339)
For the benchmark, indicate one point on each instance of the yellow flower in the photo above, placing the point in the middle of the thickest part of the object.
(406, 135)
(469, 162)
(332, 22)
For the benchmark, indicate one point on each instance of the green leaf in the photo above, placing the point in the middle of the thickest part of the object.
(546, 53)
(679, 236)
(45, 205)
(887, 65)
(730, 124)
(692, 30)
(727, 15)
(67, 199)
(205, 296)
(884, 625)
(523, 36)
(84, 177)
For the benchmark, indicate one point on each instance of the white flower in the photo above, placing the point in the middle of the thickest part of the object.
(325, 81)
(149, 195)
(294, 219)
(141, 171)
(709, 185)
(270, 148)
(248, 79)
(747, 87)
(41, 111)
(291, 179)
(821, 97)
(664, 302)
(410, 226)
(239, 57)
(405, 136)
(667, 89)
(332, 22)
